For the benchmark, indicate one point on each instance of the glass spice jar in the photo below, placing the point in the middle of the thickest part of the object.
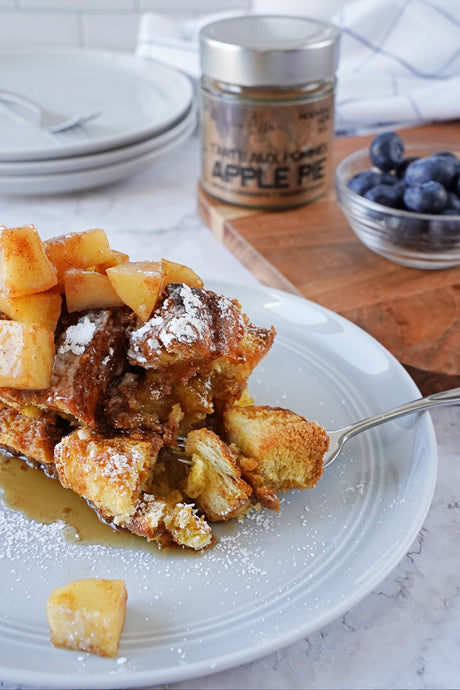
(267, 109)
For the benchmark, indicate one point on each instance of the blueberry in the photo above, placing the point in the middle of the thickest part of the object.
(401, 169)
(385, 194)
(433, 168)
(401, 186)
(452, 205)
(363, 181)
(388, 178)
(406, 231)
(445, 233)
(386, 151)
(451, 166)
(427, 197)
(448, 154)
(456, 184)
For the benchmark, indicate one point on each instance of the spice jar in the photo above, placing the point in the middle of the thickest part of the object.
(267, 109)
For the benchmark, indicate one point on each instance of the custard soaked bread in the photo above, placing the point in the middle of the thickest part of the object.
(197, 351)
(125, 374)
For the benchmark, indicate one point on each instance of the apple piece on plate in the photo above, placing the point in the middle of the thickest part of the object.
(26, 355)
(78, 250)
(116, 259)
(43, 308)
(179, 273)
(89, 290)
(24, 265)
(138, 283)
(88, 615)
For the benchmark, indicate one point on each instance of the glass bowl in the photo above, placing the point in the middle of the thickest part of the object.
(412, 239)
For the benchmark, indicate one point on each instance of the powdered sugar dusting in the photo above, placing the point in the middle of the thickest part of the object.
(186, 323)
(187, 326)
(186, 317)
(241, 576)
(115, 464)
(78, 336)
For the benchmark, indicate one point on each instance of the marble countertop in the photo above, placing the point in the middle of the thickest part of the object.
(406, 633)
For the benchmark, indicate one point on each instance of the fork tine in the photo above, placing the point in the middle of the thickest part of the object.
(179, 450)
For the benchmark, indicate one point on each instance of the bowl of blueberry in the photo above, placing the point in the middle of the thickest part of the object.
(403, 202)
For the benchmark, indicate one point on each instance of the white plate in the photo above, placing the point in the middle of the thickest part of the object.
(97, 176)
(97, 160)
(137, 99)
(271, 579)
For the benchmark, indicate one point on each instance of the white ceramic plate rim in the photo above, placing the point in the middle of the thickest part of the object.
(351, 363)
(98, 176)
(173, 96)
(97, 160)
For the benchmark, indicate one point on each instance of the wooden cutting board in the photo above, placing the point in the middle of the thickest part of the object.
(312, 251)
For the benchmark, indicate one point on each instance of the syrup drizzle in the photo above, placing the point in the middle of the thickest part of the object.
(43, 499)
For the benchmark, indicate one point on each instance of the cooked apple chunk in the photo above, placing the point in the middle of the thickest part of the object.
(138, 284)
(88, 615)
(24, 265)
(179, 273)
(78, 250)
(89, 290)
(43, 308)
(26, 355)
(116, 259)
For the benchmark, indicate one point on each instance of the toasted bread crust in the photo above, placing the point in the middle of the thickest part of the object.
(109, 472)
(32, 432)
(288, 450)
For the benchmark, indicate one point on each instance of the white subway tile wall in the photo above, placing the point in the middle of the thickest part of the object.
(110, 24)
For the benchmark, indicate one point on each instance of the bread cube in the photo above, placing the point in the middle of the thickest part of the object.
(214, 480)
(26, 355)
(179, 273)
(24, 265)
(43, 308)
(138, 283)
(159, 519)
(88, 615)
(187, 528)
(31, 432)
(89, 290)
(78, 250)
(108, 472)
(286, 448)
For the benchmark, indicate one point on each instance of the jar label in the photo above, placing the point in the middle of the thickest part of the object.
(269, 155)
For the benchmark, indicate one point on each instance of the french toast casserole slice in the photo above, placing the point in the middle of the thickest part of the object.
(124, 390)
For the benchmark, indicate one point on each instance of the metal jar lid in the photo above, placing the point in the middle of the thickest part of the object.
(269, 50)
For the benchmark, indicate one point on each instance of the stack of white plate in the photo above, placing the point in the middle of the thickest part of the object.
(145, 110)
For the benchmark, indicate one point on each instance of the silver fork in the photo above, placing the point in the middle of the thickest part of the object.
(338, 437)
(52, 122)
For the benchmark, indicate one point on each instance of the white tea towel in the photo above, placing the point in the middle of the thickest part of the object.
(399, 59)
(175, 43)
(399, 65)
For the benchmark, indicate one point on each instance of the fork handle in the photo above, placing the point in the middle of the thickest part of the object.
(448, 397)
